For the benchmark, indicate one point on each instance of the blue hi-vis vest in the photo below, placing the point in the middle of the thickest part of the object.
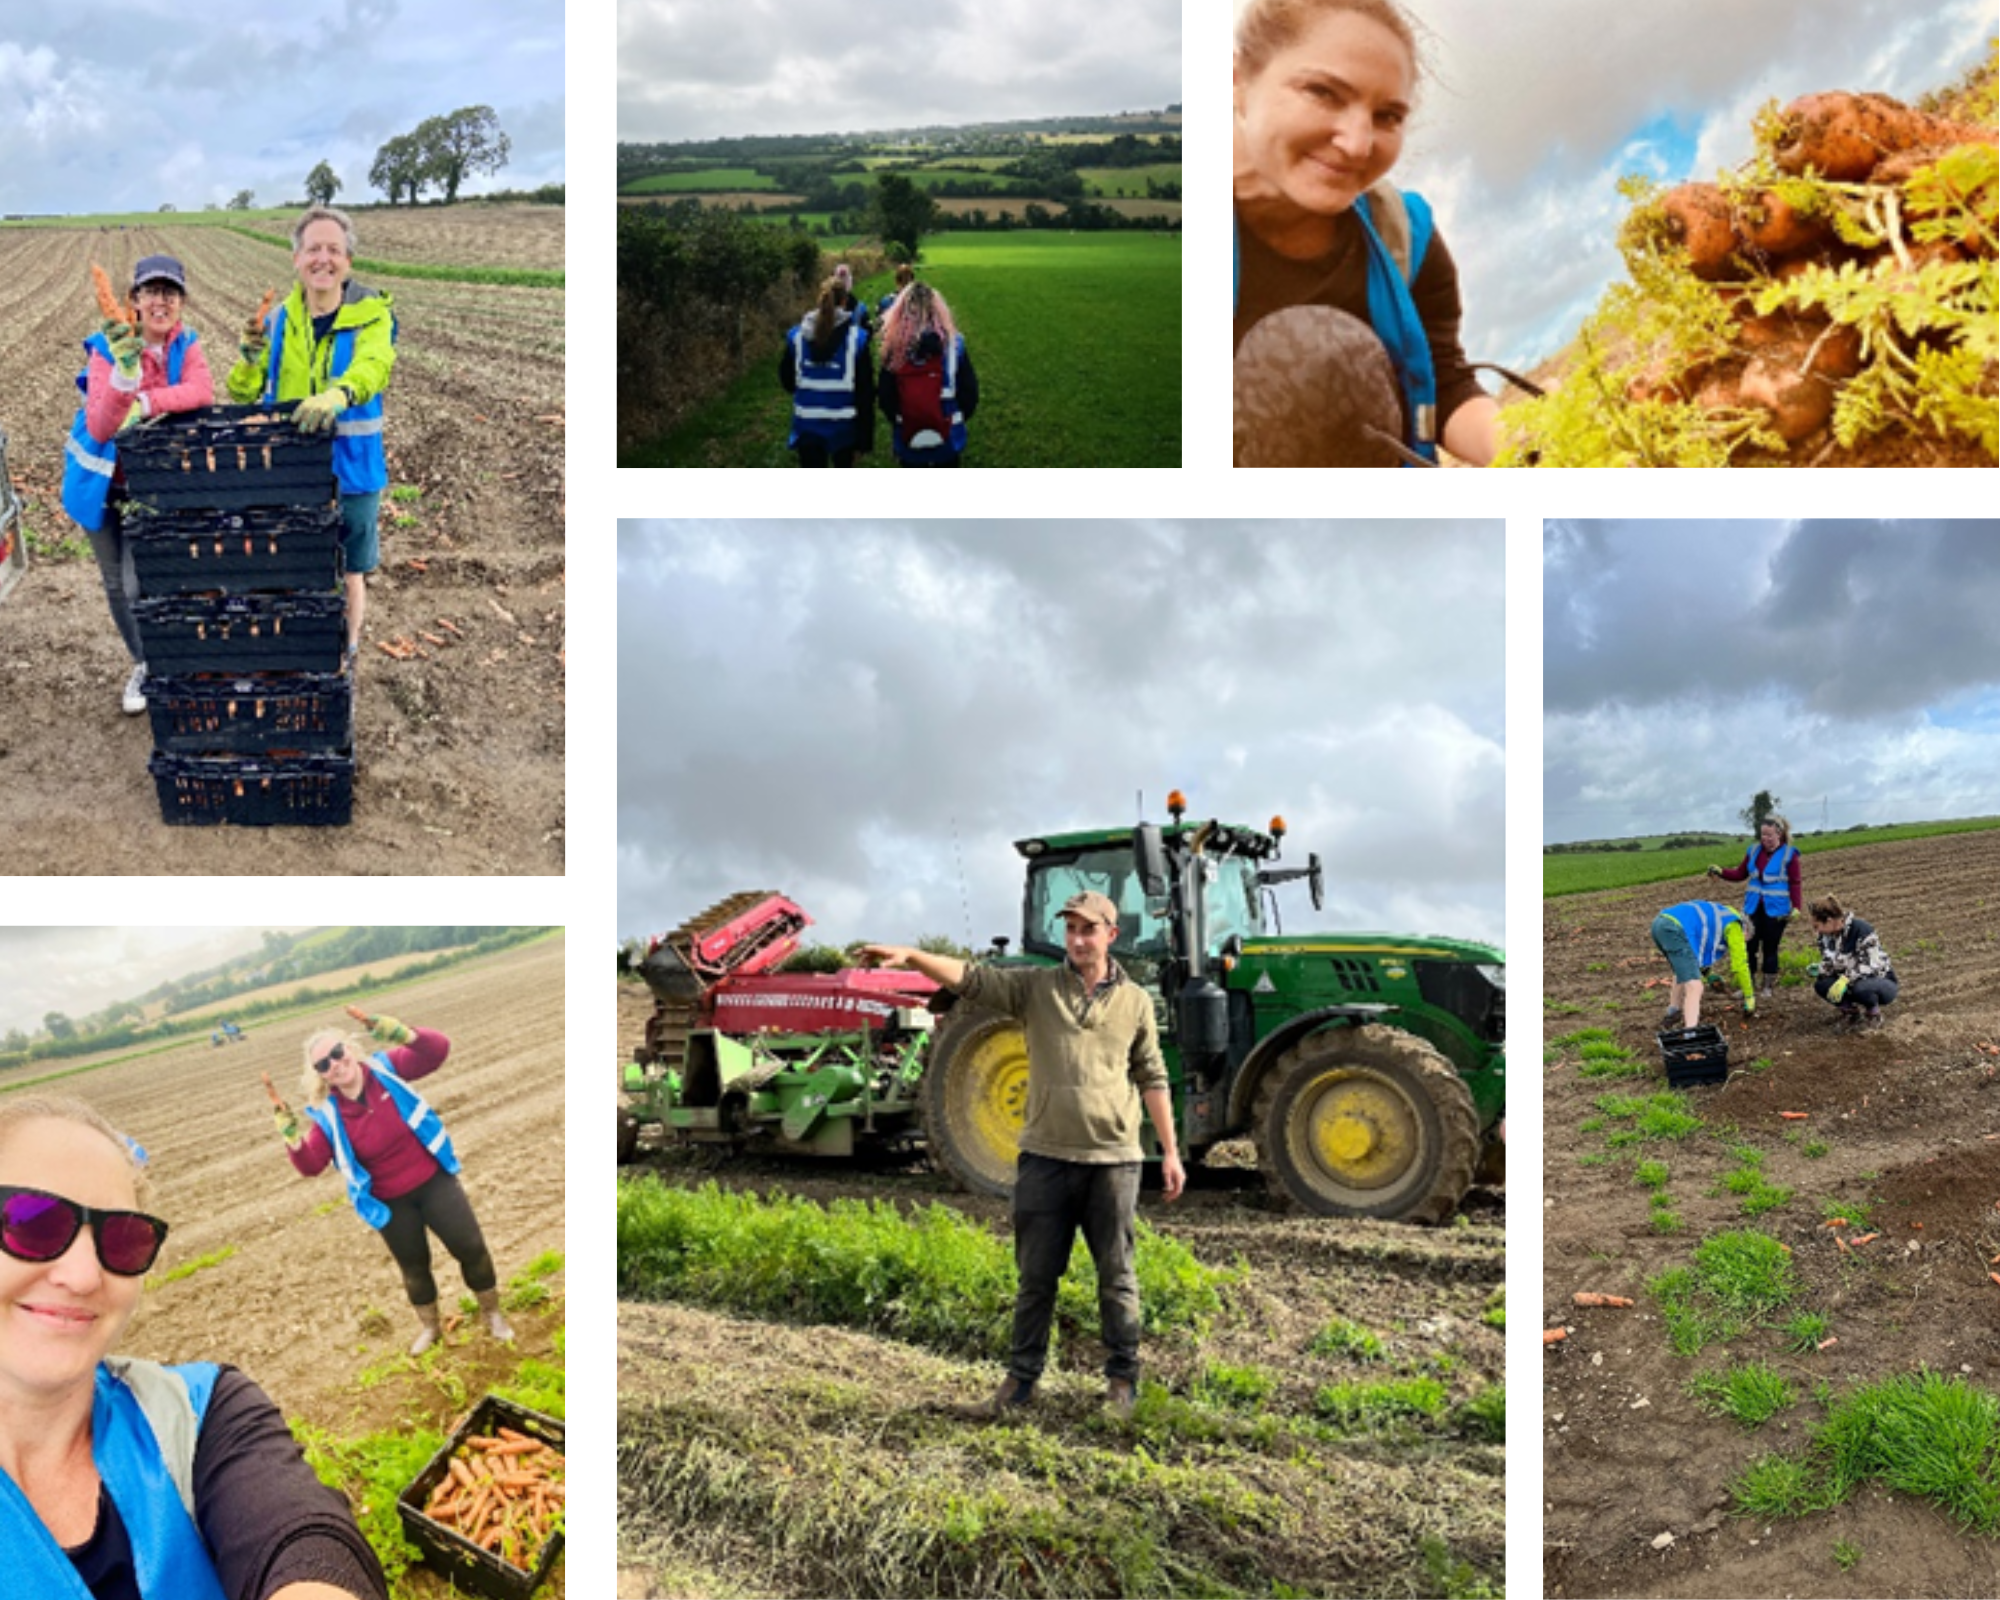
(1703, 921)
(413, 1109)
(359, 466)
(825, 397)
(1392, 313)
(144, 1421)
(1770, 890)
(948, 398)
(87, 465)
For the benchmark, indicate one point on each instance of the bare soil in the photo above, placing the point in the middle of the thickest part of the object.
(460, 748)
(463, 235)
(310, 1299)
(1910, 1120)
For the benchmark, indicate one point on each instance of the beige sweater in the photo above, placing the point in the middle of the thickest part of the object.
(1090, 1057)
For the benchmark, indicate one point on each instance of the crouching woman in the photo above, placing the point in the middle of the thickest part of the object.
(121, 1479)
(1853, 970)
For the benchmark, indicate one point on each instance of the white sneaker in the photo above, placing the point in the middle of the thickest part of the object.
(135, 692)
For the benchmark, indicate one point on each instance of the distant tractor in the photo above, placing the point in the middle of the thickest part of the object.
(1368, 1068)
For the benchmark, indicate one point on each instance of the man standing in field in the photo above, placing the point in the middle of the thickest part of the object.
(1093, 1060)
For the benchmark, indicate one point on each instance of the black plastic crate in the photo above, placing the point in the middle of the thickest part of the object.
(265, 547)
(227, 457)
(235, 634)
(470, 1567)
(1695, 1056)
(311, 712)
(268, 791)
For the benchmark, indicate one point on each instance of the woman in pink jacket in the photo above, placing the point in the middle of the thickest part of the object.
(135, 370)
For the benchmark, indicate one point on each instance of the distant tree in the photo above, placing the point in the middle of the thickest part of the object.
(938, 944)
(59, 1026)
(166, 205)
(242, 200)
(454, 147)
(1759, 808)
(901, 212)
(211, 205)
(399, 169)
(816, 958)
(322, 184)
(15, 1042)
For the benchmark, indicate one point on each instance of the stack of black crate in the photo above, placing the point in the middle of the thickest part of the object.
(235, 537)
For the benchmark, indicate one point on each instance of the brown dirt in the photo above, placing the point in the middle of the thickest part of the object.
(460, 750)
(1911, 1119)
(462, 235)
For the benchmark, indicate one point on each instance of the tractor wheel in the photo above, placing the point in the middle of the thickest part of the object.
(975, 1098)
(1367, 1122)
(628, 1136)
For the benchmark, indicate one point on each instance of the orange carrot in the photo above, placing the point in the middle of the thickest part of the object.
(1864, 1238)
(1795, 1116)
(1995, 1276)
(1834, 1222)
(1829, 1341)
(107, 298)
(271, 1089)
(1585, 1298)
(1557, 1335)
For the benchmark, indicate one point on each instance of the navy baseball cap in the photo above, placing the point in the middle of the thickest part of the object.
(160, 269)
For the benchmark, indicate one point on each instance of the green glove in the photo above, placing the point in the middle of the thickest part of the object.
(250, 349)
(288, 1125)
(1837, 991)
(125, 348)
(1749, 1005)
(390, 1031)
(316, 413)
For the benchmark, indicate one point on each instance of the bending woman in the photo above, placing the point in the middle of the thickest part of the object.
(392, 1150)
(1323, 90)
(125, 1480)
(1853, 970)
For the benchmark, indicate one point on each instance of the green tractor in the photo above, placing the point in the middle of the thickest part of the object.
(1369, 1068)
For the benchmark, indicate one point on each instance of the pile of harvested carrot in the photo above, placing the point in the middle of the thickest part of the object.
(503, 1493)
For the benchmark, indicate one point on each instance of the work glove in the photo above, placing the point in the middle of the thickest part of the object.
(289, 1128)
(1838, 992)
(1749, 1005)
(315, 414)
(1813, 970)
(387, 1029)
(1714, 872)
(125, 347)
(253, 344)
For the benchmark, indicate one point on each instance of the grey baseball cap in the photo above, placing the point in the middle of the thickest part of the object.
(160, 269)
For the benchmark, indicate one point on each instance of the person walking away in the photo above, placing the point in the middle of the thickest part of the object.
(843, 295)
(1771, 868)
(331, 346)
(1691, 936)
(1093, 1062)
(826, 369)
(1853, 970)
(928, 389)
(905, 276)
(132, 372)
(363, 1118)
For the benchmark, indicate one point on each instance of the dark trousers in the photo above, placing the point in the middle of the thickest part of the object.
(1860, 992)
(1052, 1200)
(1765, 932)
(437, 1205)
(121, 583)
(813, 453)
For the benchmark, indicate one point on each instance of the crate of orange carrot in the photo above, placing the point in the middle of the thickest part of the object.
(487, 1510)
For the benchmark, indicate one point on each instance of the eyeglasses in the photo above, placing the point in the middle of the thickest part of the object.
(38, 1226)
(325, 1063)
(156, 291)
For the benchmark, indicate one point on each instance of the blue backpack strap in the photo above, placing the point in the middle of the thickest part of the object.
(1392, 313)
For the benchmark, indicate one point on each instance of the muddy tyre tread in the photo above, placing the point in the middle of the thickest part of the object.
(1453, 1143)
(964, 1027)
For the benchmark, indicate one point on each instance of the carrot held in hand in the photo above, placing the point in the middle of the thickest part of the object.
(108, 303)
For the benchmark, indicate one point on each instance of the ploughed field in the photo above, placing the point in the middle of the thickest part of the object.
(460, 746)
(1896, 1131)
(304, 1297)
(1331, 1422)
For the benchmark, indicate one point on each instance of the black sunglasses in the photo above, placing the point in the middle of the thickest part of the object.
(38, 1226)
(325, 1063)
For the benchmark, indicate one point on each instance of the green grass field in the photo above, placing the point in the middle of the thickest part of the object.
(160, 219)
(722, 179)
(1075, 338)
(1620, 869)
(1127, 180)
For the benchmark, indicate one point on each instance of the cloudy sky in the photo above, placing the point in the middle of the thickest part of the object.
(1848, 667)
(157, 101)
(851, 718)
(1538, 107)
(80, 970)
(695, 69)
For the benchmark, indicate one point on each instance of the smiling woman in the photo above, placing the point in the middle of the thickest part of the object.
(1347, 307)
(121, 1479)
